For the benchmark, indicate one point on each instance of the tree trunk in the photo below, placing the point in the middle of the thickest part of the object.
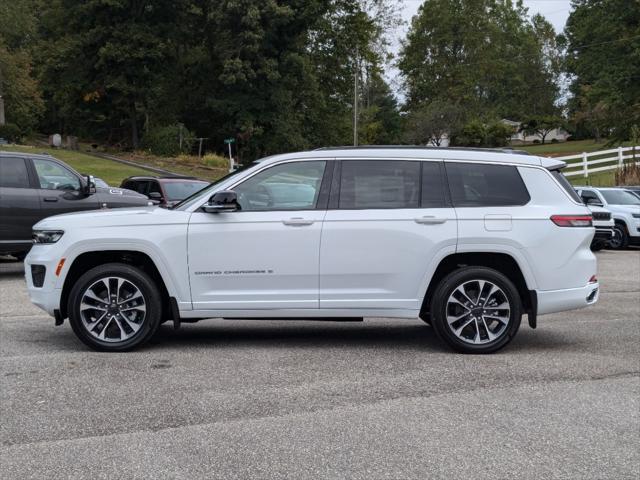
(134, 126)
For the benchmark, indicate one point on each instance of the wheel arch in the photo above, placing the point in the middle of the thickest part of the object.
(90, 259)
(502, 262)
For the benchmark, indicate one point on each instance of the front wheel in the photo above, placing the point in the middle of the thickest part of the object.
(114, 307)
(620, 238)
(476, 310)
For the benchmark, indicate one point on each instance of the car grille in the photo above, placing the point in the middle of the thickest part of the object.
(601, 216)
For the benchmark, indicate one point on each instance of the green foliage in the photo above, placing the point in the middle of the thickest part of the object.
(217, 161)
(477, 133)
(20, 90)
(603, 56)
(431, 124)
(10, 132)
(165, 141)
(541, 125)
(487, 56)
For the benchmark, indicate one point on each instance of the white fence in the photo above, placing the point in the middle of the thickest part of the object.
(601, 161)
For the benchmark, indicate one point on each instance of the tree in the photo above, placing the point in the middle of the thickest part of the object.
(541, 125)
(603, 58)
(486, 56)
(433, 123)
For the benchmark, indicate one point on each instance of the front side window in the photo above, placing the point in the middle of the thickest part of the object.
(13, 173)
(376, 184)
(483, 185)
(52, 176)
(289, 186)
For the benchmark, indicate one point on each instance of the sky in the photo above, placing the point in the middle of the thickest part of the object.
(555, 11)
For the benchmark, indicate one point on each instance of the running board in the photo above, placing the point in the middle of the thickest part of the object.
(307, 319)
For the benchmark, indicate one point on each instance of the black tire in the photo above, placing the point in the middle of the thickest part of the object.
(439, 306)
(597, 246)
(140, 280)
(620, 237)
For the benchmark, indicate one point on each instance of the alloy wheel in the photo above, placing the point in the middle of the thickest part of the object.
(478, 312)
(112, 309)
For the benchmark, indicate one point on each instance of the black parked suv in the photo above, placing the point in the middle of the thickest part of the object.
(33, 187)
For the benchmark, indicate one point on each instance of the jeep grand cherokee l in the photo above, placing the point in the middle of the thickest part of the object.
(33, 187)
(469, 241)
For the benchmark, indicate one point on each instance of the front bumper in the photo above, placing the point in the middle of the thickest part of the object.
(46, 297)
(552, 301)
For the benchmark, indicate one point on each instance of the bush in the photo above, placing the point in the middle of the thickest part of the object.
(165, 141)
(10, 132)
(554, 140)
(536, 141)
(213, 160)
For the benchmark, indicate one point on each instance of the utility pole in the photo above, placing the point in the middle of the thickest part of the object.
(355, 101)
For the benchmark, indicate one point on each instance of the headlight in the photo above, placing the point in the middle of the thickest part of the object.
(47, 236)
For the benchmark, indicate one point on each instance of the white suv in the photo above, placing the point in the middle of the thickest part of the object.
(466, 240)
(625, 209)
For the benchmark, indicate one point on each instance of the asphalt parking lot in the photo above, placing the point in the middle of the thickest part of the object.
(281, 399)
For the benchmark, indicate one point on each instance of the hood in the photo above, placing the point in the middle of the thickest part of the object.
(121, 192)
(624, 208)
(113, 217)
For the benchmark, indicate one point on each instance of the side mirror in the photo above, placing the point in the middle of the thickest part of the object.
(593, 201)
(155, 196)
(224, 201)
(89, 185)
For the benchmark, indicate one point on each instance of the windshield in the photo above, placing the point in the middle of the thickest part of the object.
(181, 190)
(620, 197)
(187, 200)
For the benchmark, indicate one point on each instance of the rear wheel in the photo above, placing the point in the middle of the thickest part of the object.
(476, 310)
(114, 307)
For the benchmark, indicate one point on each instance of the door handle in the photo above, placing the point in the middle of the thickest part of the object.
(50, 199)
(429, 220)
(297, 222)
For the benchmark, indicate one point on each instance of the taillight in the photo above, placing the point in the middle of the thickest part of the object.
(572, 220)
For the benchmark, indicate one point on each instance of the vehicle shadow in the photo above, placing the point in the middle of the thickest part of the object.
(405, 335)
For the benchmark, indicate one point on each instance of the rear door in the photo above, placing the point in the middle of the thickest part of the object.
(60, 189)
(19, 204)
(387, 221)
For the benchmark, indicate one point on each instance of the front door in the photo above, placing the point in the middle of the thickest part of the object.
(264, 256)
(384, 229)
(60, 190)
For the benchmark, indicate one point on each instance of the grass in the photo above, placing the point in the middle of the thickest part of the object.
(567, 148)
(111, 172)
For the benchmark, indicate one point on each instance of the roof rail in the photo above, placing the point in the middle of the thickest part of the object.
(422, 147)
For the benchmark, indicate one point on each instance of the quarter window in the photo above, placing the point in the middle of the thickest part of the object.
(289, 186)
(379, 184)
(54, 177)
(13, 173)
(482, 185)
(432, 185)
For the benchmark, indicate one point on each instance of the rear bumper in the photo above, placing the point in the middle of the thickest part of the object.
(603, 234)
(552, 301)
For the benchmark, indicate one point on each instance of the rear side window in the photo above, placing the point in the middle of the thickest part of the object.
(13, 173)
(376, 184)
(482, 185)
(562, 180)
